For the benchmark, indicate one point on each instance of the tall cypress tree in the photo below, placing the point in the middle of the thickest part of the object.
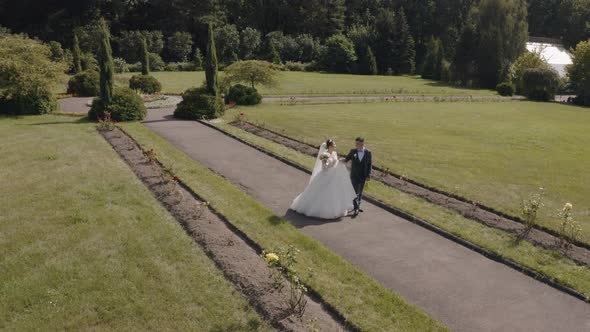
(406, 49)
(76, 55)
(145, 57)
(372, 62)
(105, 63)
(211, 63)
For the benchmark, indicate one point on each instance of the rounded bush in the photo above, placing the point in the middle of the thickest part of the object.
(42, 102)
(198, 104)
(120, 65)
(156, 62)
(84, 84)
(145, 83)
(125, 106)
(243, 95)
(540, 84)
(505, 89)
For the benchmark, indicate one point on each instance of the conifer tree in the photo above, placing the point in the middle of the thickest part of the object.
(211, 63)
(145, 57)
(405, 46)
(76, 55)
(198, 59)
(105, 63)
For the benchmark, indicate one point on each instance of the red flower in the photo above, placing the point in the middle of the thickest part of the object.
(176, 178)
(241, 114)
(107, 114)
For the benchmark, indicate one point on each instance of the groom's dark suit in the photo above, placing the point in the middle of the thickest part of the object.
(359, 172)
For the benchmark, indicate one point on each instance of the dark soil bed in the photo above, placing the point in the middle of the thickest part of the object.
(578, 252)
(232, 252)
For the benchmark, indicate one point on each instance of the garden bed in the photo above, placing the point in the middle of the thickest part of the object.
(543, 237)
(232, 251)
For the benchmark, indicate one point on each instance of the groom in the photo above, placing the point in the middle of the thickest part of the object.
(360, 171)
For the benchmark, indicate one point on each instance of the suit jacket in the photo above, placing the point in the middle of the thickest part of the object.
(361, 169)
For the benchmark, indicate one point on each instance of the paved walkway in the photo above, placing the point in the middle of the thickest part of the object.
(455, 285)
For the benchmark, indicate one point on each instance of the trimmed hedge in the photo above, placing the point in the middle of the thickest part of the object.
(540, 84)
(126, 106)
(505, 89)
(198, 104)
(145, 83)
(42, 103)
(85, 84)
(243, 95)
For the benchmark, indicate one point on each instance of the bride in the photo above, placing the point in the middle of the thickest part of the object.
(329, 194)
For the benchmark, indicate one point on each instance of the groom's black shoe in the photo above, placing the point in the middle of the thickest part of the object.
(361, 210)
(355, 213)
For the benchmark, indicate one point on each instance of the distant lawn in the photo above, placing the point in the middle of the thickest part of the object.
(303, 83)
(496, 153)
(84, 245)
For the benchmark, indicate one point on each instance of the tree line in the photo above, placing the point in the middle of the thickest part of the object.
(472, 42)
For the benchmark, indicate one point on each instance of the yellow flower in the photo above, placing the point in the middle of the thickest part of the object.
(568, 206)
(271, 257)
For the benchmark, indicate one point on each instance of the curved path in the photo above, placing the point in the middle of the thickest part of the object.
(455, 285)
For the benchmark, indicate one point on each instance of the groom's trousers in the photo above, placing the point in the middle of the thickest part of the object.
(358, 185)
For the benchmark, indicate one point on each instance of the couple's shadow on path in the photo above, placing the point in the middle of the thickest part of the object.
(300, 221)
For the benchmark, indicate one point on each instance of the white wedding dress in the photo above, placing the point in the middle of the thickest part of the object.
(329, 194)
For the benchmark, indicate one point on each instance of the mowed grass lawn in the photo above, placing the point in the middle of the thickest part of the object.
(319, 84)
(84, 245)
(496, 152)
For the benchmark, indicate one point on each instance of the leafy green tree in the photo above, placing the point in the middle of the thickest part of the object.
(339, 56)
(309, 47)
(579, 72)
(211, 63)
(179, 47)
(540, 84)
(464, 61)
(250, 40)
(227, 39)
(27, 75)
(253, 72)
(528, 60)
(574, 20)
(198, 59)
(502, 29)
(105, 64)
(130, 43)
(145, 57)
(76, 55)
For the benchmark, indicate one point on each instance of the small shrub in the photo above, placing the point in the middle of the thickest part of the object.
(540, 84)
(120, 65)
(84, 84)
(134, 67)
(505, 89)
(243, 95)
(42, 102)
(569, 229)
(296, 66)
(181, 66)
(89, 62)
(125, 106)
(198, 104)
(529, 210)
(156, 63)
(445, 71)
(145, 83)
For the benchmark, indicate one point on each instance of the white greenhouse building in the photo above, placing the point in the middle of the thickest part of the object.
(553, 51)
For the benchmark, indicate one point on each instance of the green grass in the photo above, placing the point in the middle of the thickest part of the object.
(318, 84)
(495, 153)
(85, 246)
(550, 263)
(361, 299)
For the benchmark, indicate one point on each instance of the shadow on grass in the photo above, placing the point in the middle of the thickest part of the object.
(78, 121)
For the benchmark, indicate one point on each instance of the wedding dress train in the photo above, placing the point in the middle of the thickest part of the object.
(329, 194)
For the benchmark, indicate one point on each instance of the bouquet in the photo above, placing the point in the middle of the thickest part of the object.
(324, 156)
